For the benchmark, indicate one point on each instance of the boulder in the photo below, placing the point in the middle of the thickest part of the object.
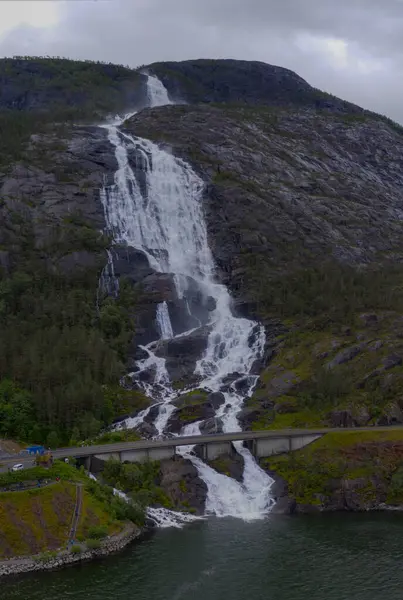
(212, 425)
(344, 356)
(131, 263)
(216, 399)
(147, 430)
(152, 413)
(182, 353)
(189, 414)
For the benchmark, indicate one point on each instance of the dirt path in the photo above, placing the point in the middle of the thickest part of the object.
(76, 513)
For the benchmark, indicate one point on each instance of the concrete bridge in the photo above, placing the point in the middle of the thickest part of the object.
(260, 443)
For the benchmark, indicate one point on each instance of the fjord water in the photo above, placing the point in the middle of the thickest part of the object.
(332, 557)
(155, 205)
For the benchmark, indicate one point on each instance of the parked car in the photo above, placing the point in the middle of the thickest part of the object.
(18, 467)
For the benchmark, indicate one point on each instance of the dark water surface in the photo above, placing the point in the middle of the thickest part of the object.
(341, 557)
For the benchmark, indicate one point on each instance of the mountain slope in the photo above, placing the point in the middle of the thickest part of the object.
(304, 217)
(303, 206)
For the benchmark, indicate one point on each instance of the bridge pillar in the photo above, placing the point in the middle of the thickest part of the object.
(216, 449)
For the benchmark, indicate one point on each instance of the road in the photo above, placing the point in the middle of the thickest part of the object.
(82, 452)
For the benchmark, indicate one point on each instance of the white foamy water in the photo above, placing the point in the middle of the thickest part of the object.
(163, 217)
(164, 322)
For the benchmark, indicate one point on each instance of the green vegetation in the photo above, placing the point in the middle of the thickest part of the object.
(365, 467)
(39, 519)
(93, 544)
(139, 481)
(66, 359)
(306, 393)
(57, 91)
(36, 520)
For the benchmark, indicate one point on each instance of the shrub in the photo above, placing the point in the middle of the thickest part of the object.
(98, 532)
(76, 549)
(93, 544)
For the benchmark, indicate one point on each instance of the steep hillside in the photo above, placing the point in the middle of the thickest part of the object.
(303, 206)
(303, 211)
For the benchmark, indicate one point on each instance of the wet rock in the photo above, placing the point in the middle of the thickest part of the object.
(243, 385)
(182, 353)
(182, 484)
(131, 263)
(212, 425)
(344, 356)
(152, 413)
(147, 430)
(216, 399)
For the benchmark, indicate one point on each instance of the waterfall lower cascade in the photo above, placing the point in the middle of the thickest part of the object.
(160, 213)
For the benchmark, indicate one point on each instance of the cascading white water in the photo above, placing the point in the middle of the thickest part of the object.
(167, 223)
(164, 322)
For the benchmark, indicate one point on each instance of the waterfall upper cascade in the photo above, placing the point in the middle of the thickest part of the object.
(163, 217)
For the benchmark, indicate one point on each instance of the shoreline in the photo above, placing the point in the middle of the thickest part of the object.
(112, 545)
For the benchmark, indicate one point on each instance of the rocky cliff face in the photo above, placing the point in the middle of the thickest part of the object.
(288, 188)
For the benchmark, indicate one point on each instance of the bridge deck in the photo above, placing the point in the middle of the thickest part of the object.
(202, 439)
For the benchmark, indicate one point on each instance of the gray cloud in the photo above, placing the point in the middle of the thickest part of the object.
(352, 48)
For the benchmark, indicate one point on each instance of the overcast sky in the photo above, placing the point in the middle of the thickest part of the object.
(351, 48)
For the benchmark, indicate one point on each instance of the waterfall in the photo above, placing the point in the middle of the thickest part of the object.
(164, 322)
(162, 216)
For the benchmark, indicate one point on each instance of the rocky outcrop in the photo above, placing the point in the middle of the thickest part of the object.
(182, 353)
(191, 408)
(56, 194)
(182, 484)
(231, 465)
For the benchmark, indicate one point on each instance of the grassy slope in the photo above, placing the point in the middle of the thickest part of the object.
(39, 519)
(368, 463)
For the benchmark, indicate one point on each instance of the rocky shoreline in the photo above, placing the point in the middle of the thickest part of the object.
(112, 545)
